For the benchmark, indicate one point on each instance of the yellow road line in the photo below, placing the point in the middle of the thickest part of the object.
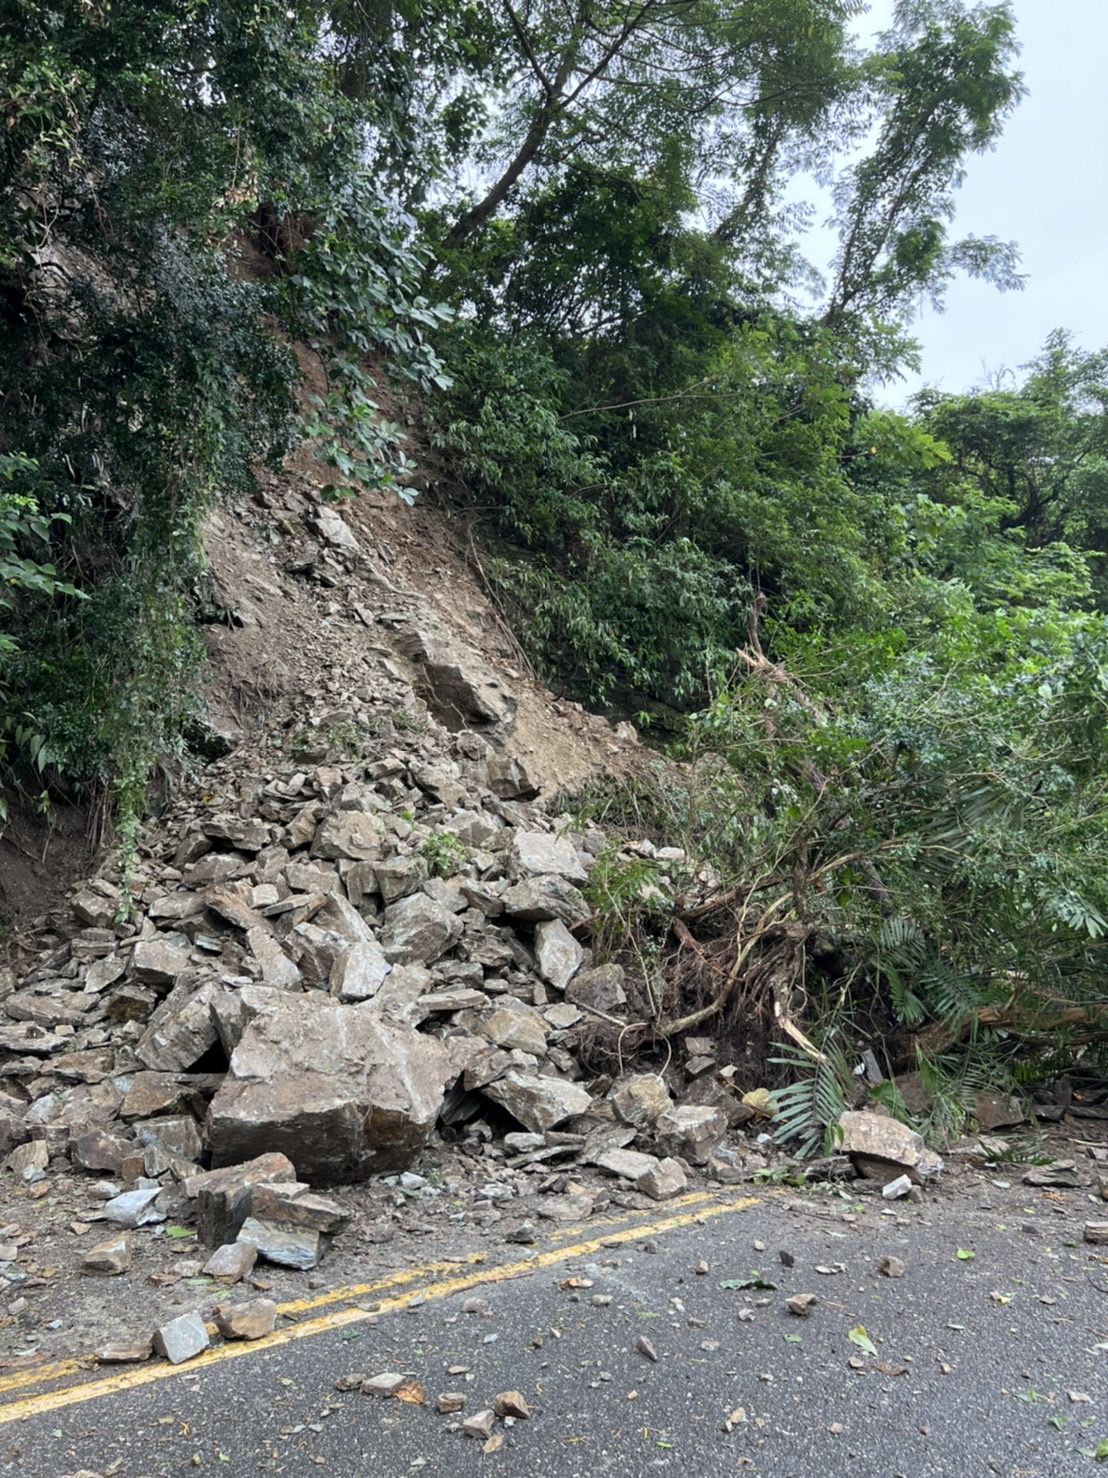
(128, 1380)
(41, 1375)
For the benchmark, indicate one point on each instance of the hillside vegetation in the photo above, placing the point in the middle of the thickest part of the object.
(574, 235)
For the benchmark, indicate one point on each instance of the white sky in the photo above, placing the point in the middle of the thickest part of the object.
(1044, 188)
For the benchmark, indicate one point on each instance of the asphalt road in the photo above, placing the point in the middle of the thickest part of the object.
(995, 1364)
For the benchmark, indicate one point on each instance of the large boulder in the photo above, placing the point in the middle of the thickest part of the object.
(458, 687)
(882, 1148)
(340, 1090)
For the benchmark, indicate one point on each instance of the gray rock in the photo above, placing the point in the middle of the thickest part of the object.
(515, 1028)
(253, 1320)
(182, 1028)
(295, 1204)
(134, 1208)
(181, 1339)
(536, 853)
(231, 1262)
(457, 686)
(223, 1196)
(399, 877)
(875, 1141)
(288, 1246)
(337, 1088)
(176, 1133)
(510, 778)
(690, 1131)
(160, 961)
(557, 953)
(640, 1099)
(662, 1181)
(538, 1103)
(277, 969)
(548, 897)
(600, 989)
(358, 835)
(359, 971)
(417, 930)
(629, 1165)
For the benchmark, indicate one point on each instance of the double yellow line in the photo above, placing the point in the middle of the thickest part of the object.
(399, 1291)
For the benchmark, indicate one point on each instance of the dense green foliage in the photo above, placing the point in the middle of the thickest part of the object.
(145, 372)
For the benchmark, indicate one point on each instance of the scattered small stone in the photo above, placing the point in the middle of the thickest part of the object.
(644, 1347)
(111, 1256)
(801, 1304)
(1096, 1232)
(511, 1403)
(891, 1267)
(125, 1353)
(384, 1385)
(450, 1401)
(480, 1424)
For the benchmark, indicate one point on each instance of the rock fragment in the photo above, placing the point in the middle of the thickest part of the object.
(253, 1320)
(181, 1339)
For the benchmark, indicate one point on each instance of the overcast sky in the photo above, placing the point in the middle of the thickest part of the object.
(1043, 187)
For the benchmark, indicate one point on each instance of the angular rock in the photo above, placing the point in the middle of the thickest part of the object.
(599, 989)
(134, 1208)
(400, 877)
(511, 1403)
(111, 1256)
(997, 1111)
(295, 1205)
(884, 1147)
(289, 1246)
(277, 969)
(510, 779)
(160, 961)
(253, 1320)
(551, 897)
(182, 1028)
(359, 971)
(29, 1161)
(663, 1180)
(640, 1099)
(223, 1196)
(690, 1131)
(181, 1339)
(480, 1424)
(344, 1091)
(358, 835)
(518, 1029)
(452, 680)
(557, 953)
(131, 1002)
(234, 910)
(627, 1164)
(151, 1094)
(99, 1151)
(417, 930)
(535, 853)
(384, 1385)
(176, 1133)
(538, 1103)
(231, 1262)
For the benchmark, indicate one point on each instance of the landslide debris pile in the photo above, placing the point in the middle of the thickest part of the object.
(323, 961)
